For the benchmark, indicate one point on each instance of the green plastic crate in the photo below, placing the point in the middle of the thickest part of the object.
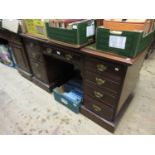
(76, 36)
(126, 43)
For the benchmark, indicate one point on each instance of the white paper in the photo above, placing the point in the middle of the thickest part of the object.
(74, 27)
(64, 101)
(117, 41)
(90, 30)
(11, 24)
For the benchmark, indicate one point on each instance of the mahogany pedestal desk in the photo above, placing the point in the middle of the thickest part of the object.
(108, 80)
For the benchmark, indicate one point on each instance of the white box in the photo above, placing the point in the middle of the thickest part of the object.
(11, 25)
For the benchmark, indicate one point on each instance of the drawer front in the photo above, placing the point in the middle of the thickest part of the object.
(99, 109)
(100, 95)
(103, 82)
(39, 71)
(112, 71)
(64, 55)
(20, 57)
(34, 51)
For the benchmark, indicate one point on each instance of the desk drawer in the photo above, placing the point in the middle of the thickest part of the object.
(34, 50)
(101, 96)
(39, 70)
(103, 82)
(100, 109)
(68, 56)
(64, 55)
(113, 71)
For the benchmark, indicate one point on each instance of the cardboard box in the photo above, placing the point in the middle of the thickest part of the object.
(35, 27)
(129, 24)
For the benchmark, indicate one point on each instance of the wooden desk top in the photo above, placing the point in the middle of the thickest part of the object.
(90, 50)
(111, 56)
(48, 42)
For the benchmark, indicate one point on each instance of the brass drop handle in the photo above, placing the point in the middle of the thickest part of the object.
(96, 108)
(49, 50)
(100, 81)
(101, 67)
(37, 65)
(98, 94)
(68, 56)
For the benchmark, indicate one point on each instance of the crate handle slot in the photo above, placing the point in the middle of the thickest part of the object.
(116, 32)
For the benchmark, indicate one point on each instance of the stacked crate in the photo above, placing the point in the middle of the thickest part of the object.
(125, 37)
(71, 32)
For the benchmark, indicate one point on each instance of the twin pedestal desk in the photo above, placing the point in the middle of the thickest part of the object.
(108, 80)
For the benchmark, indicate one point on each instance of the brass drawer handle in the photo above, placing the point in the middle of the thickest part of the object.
(68, 56)
(98, 94)
(49, 50)
(36, 65)
(99, 81)
(101, 67)
(96, 108)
